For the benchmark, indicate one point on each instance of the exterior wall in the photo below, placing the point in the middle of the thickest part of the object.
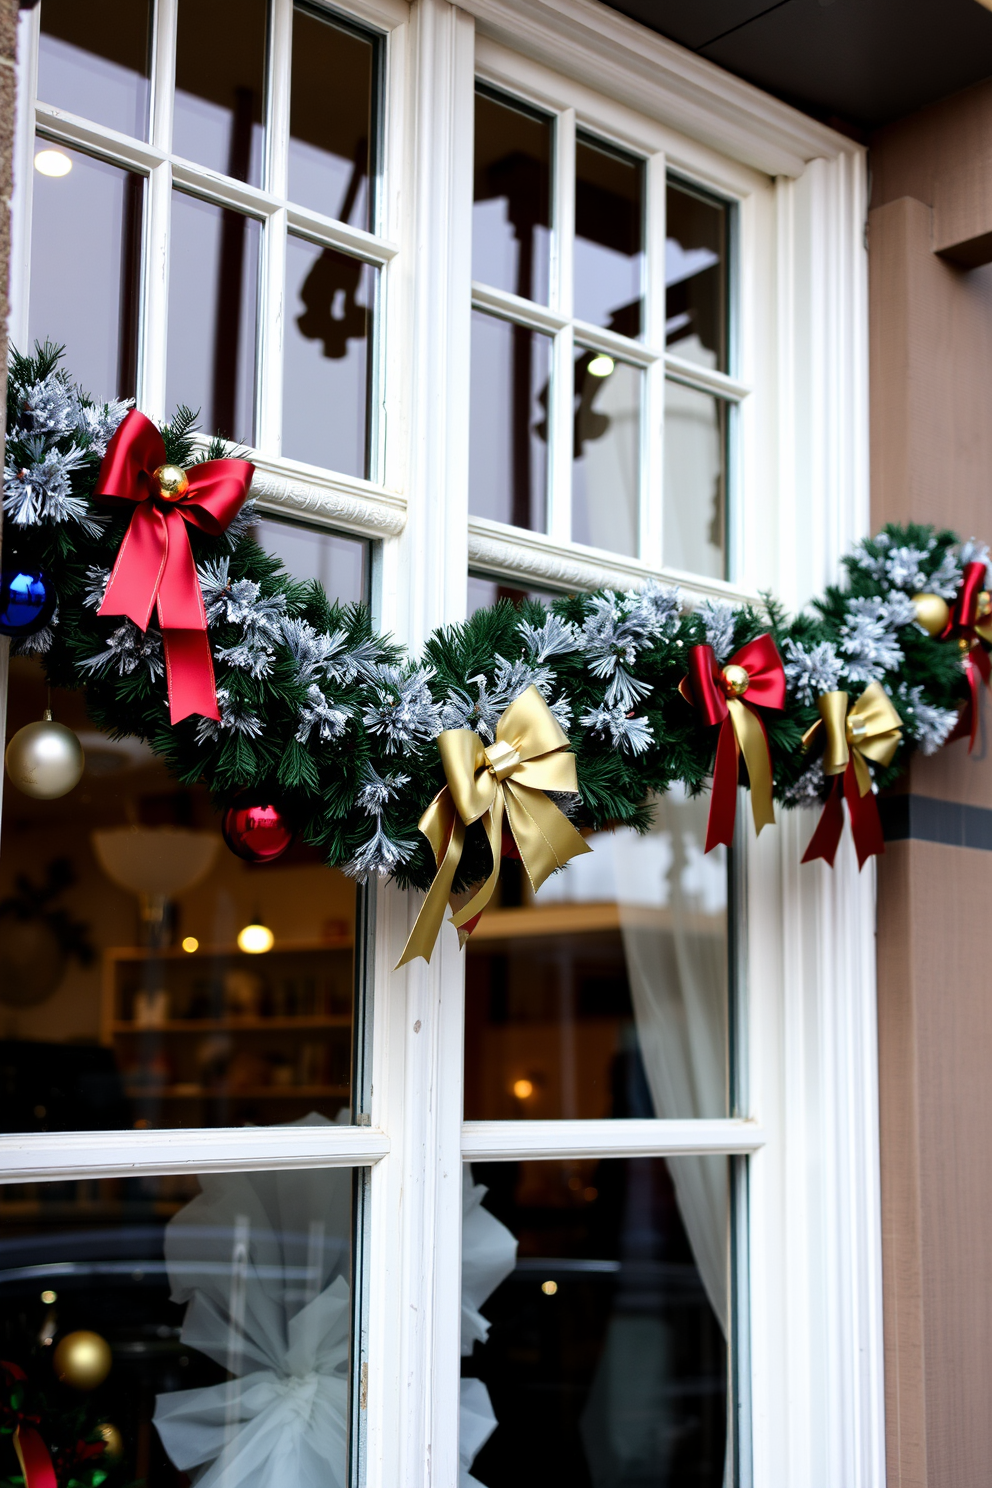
(931, 454)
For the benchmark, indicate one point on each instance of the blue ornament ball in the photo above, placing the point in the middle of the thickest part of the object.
(27, 601)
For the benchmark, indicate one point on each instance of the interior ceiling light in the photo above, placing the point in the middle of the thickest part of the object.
(52, 163)
(255, 939)
(601, 366)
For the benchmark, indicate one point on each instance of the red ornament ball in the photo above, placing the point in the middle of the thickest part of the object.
(256, 830)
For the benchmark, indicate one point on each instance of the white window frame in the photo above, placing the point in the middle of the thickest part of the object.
(810, 1226)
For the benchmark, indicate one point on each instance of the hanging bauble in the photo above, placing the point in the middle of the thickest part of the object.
(931, 612)
(256, 830)
(82, 1360)
(27, 601)
(45, 759)
(112, 1439)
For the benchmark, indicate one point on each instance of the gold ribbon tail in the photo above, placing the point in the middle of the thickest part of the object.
(753, 742)
(431, 916)
(494, 832)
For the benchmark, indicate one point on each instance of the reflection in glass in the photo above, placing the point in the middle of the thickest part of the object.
(508, 449)
(609, 232)
(511, 213)
(93, 61)
(606, 453)
(220, 86)
(329, 298)
(695, 518)
(125, 999)
(484, 592)
(605, 994)
(213, 293)
(339, 564)
(696, 277)
(86, 234)
(606, 1359)
(225, 1300)
(331, 147)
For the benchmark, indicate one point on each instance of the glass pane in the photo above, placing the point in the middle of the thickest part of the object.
(213, 1312)
(603, 1289)
(607, 453)
(213, 297)
(511, 215)
(695, 481)
(126, 995)
(340, 564)
(696, 278)
(484, 592)
(508, 434)
(93, 60)
(605, 994)
(86, 231)
(219, 116)
(331, 120)
(326, 357)
(609, 232)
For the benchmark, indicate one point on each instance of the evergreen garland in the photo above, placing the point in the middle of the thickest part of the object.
(339, 726)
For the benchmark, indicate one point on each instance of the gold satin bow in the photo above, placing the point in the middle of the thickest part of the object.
(871, 730)
(528, 757)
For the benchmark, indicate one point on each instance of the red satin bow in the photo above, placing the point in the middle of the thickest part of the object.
(710, 688)
(977, 667)
(155, 564)
(866, 823)
(32, 1454)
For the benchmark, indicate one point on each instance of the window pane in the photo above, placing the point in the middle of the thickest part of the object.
(331, 120)
(696, 278)
(605, 994)
(86, 232)
(339, 564)
(220, 86)
(223, 1303)
(326, 357)
(606, 1358)
(93, 60)
(609, 231)
(484, 592)
(511, 215)
(213, 296)
(126, 999)
(606, 460)
(508, 437)
(695, 481)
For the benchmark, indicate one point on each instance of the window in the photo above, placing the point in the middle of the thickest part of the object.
(500, 315)
(568, 421)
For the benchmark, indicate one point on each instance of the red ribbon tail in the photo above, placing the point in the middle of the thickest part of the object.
(826, 838)
(189, 670)
(33, 1455)
(723, 800)
(866, 824)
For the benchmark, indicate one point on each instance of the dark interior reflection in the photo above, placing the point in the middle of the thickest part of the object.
(696, 277)
(93, 60)
(511, 218)
(219, 104)
(606, 1364)
(332, 108)
(609, 231)
(86, 230)
(511, 367)
(213, 293)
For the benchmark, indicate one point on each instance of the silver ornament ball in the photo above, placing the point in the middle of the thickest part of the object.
(45, 759)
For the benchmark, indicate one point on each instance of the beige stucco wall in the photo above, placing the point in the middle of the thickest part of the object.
(931, 446)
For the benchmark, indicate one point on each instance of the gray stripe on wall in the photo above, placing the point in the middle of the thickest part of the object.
(925, 819)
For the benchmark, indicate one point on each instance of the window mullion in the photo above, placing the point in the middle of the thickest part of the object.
(277, 112)
(563, 213)
(163, 73)
(653, 426)
(154, 318)
(560, 421)
(268, 415)
(20, 248)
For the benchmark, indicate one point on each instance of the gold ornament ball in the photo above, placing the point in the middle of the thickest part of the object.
(737, 680)
(82, 1360)
(931, 612)
(113, 1441)
(172, 482)
(45, 759)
